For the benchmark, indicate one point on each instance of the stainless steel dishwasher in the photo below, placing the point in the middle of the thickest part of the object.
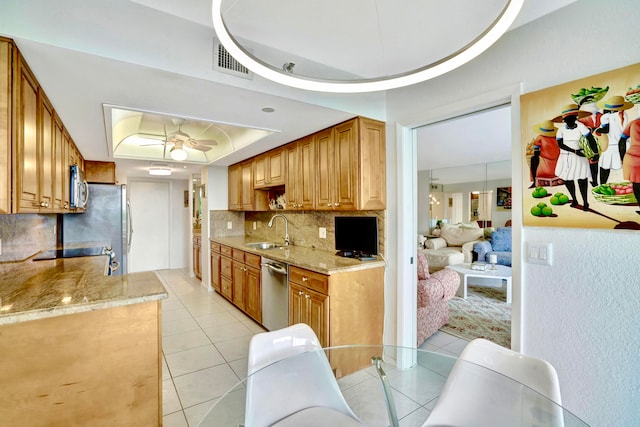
(275, 294)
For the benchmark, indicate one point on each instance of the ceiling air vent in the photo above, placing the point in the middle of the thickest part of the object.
(437, 187)
(225, 63)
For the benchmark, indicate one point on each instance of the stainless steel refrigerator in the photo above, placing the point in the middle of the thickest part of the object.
(106, 221)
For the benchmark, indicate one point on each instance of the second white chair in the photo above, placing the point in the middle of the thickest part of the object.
(492, 386)
(299, 391)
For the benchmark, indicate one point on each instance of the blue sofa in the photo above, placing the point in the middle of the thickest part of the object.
(499, 245)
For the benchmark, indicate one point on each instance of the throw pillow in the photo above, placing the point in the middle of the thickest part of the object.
(460, 236)
(501, 241)
(436, 243)
(423, 267)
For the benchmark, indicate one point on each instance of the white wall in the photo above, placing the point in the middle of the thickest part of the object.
(581, 312)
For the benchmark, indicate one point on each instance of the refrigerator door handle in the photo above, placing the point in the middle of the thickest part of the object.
(129, 226)
(86, 193)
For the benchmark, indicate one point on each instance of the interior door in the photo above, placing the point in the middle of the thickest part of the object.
(150, 204)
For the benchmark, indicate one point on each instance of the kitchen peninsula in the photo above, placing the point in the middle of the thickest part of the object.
(78, 347)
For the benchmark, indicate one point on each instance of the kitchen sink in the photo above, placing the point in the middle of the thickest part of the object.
(264, 245)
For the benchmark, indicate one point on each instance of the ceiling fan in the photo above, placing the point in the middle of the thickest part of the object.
(177, 140)
(180, 138)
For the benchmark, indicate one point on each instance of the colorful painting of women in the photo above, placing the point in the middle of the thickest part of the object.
(587, 188)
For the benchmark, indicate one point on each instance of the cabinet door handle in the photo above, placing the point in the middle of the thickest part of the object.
(336, 204)
(328, 204)
(305, 279)
(307, 296)
(300, 293)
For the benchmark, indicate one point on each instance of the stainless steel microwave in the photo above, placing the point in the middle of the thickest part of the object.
(78, 187)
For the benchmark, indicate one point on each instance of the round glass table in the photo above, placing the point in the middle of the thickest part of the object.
(382, 386)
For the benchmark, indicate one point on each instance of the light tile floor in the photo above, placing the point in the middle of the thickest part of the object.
(205, 341)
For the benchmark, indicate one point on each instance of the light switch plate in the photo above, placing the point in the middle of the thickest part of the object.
(322, 232)
(229, 225)
(255, 225)
(539, 253)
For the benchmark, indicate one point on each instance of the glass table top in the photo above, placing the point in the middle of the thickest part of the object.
(388, 386)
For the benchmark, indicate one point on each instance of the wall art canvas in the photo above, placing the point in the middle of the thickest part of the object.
(581, 145)
(503, 198)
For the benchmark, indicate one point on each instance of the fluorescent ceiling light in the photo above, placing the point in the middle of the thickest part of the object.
(159, 169)
(455, 60)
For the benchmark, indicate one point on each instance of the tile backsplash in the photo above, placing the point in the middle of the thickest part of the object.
(304, 227)
(24, 235)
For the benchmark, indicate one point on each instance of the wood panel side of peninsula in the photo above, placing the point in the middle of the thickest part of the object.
(99, 368)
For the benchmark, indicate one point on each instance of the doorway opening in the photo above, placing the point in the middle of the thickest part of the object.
(461, 163)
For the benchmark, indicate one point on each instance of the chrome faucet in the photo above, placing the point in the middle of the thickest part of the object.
(286, 227)
(112, 265)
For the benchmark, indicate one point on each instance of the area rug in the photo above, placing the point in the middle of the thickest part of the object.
(484, 314)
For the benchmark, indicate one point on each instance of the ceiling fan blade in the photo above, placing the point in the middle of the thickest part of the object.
(151, 135)
(203, 148)
(180, 136)
(206, 141)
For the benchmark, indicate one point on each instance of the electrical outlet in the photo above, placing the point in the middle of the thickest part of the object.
(322, 232)
(255, 225)
(0, 246)
(229, 225)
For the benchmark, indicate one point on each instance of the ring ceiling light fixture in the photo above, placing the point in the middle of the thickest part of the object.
(475, 47)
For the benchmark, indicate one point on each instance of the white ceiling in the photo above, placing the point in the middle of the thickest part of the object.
(156, 55)
(455, 149)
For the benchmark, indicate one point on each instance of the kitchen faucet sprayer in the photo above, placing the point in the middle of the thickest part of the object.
(286, 227)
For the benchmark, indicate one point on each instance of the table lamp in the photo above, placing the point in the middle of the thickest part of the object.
(493, 259)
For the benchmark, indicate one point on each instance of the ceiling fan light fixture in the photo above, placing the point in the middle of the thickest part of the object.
(178, 153)
(159, 169)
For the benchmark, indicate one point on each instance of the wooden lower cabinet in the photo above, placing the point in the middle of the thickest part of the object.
(226, 271)
(98, 368)
(197, 251)
(240, 280)
(310, 307)
(342, 308)
(214, 265)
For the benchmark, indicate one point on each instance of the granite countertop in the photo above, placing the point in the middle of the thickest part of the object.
(317, 260)
(38, 289)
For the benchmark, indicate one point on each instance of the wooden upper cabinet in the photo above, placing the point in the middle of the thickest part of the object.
(6, 73)
(100, 172)
(291, 181)
(41, 149)
(269, 169)
(307, 172)
(340, 168)
(300, 185)
(47, 153)
(337, 184)
(242, 196)
(235, 187)
(26, 172)
(351, 166)
(61, 168)
(372, 194)
(325, 164)
(246, 195)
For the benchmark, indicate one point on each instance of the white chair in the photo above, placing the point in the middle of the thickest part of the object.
(492, 386)
(301, 391)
